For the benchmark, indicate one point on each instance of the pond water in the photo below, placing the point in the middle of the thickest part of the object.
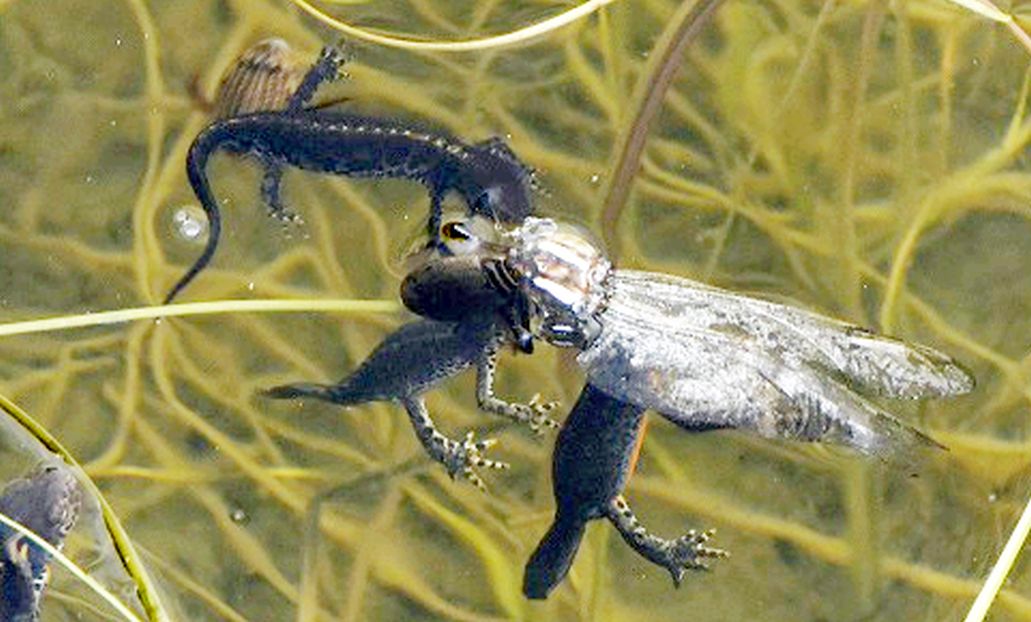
(863, 159)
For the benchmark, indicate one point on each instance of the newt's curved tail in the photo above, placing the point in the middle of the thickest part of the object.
(196, 164)
(554, 555)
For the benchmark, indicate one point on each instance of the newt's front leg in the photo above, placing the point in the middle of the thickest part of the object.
(534, 413)
(325, 69)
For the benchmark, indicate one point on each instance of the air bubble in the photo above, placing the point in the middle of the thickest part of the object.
(190, 223)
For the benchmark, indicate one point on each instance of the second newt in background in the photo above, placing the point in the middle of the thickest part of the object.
(488, 176)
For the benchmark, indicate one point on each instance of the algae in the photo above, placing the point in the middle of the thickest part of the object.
(867, 159)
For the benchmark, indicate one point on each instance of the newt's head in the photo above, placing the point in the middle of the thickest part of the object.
(497, 183)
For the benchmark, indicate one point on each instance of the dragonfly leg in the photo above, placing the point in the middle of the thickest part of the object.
(688, 552)
(458, 457)
(534, 413)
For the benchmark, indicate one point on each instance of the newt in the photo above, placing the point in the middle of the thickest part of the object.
(47, 501)
(488, 176)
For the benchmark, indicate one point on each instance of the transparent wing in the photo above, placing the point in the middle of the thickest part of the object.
(869, 363)
(707, 359)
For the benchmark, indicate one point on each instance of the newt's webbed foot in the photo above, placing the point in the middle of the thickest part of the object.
(466, 456)
(325, 69)
(534, 413)
(688, 552)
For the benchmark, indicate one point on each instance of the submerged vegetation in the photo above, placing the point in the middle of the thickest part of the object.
(867, 159)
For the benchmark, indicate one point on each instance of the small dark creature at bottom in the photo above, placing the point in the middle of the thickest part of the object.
(47, 501)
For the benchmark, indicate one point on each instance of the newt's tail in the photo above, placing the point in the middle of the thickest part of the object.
(326, 392)
(554, 555)
(196, 162)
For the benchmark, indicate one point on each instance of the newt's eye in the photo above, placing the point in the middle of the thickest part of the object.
(455, 232)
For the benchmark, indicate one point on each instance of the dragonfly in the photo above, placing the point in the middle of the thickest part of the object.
(47, 501)
(702, 357)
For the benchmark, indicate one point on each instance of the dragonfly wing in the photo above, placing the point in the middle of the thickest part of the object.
(701, 378)
(869, 363)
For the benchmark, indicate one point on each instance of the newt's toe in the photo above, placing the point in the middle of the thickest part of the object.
(467, 456)
(689, 552)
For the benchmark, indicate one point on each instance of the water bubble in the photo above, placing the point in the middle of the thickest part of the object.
(239, 516)
(190, 223)
(594, 179)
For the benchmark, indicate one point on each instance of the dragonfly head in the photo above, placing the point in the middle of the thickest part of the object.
(563, 274)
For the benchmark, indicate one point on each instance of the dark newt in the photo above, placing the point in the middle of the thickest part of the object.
(598, 445)
(47, 501)
(595, 454)
(413, 360)
(454, 289)
(466, 320)
(488, 176)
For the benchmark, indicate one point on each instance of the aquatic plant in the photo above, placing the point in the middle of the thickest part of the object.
(866, 159)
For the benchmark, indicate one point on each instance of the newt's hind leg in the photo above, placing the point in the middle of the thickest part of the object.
(688, 552)
(271, 182)
(458, 457)
(535, 413)
(325, 69)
